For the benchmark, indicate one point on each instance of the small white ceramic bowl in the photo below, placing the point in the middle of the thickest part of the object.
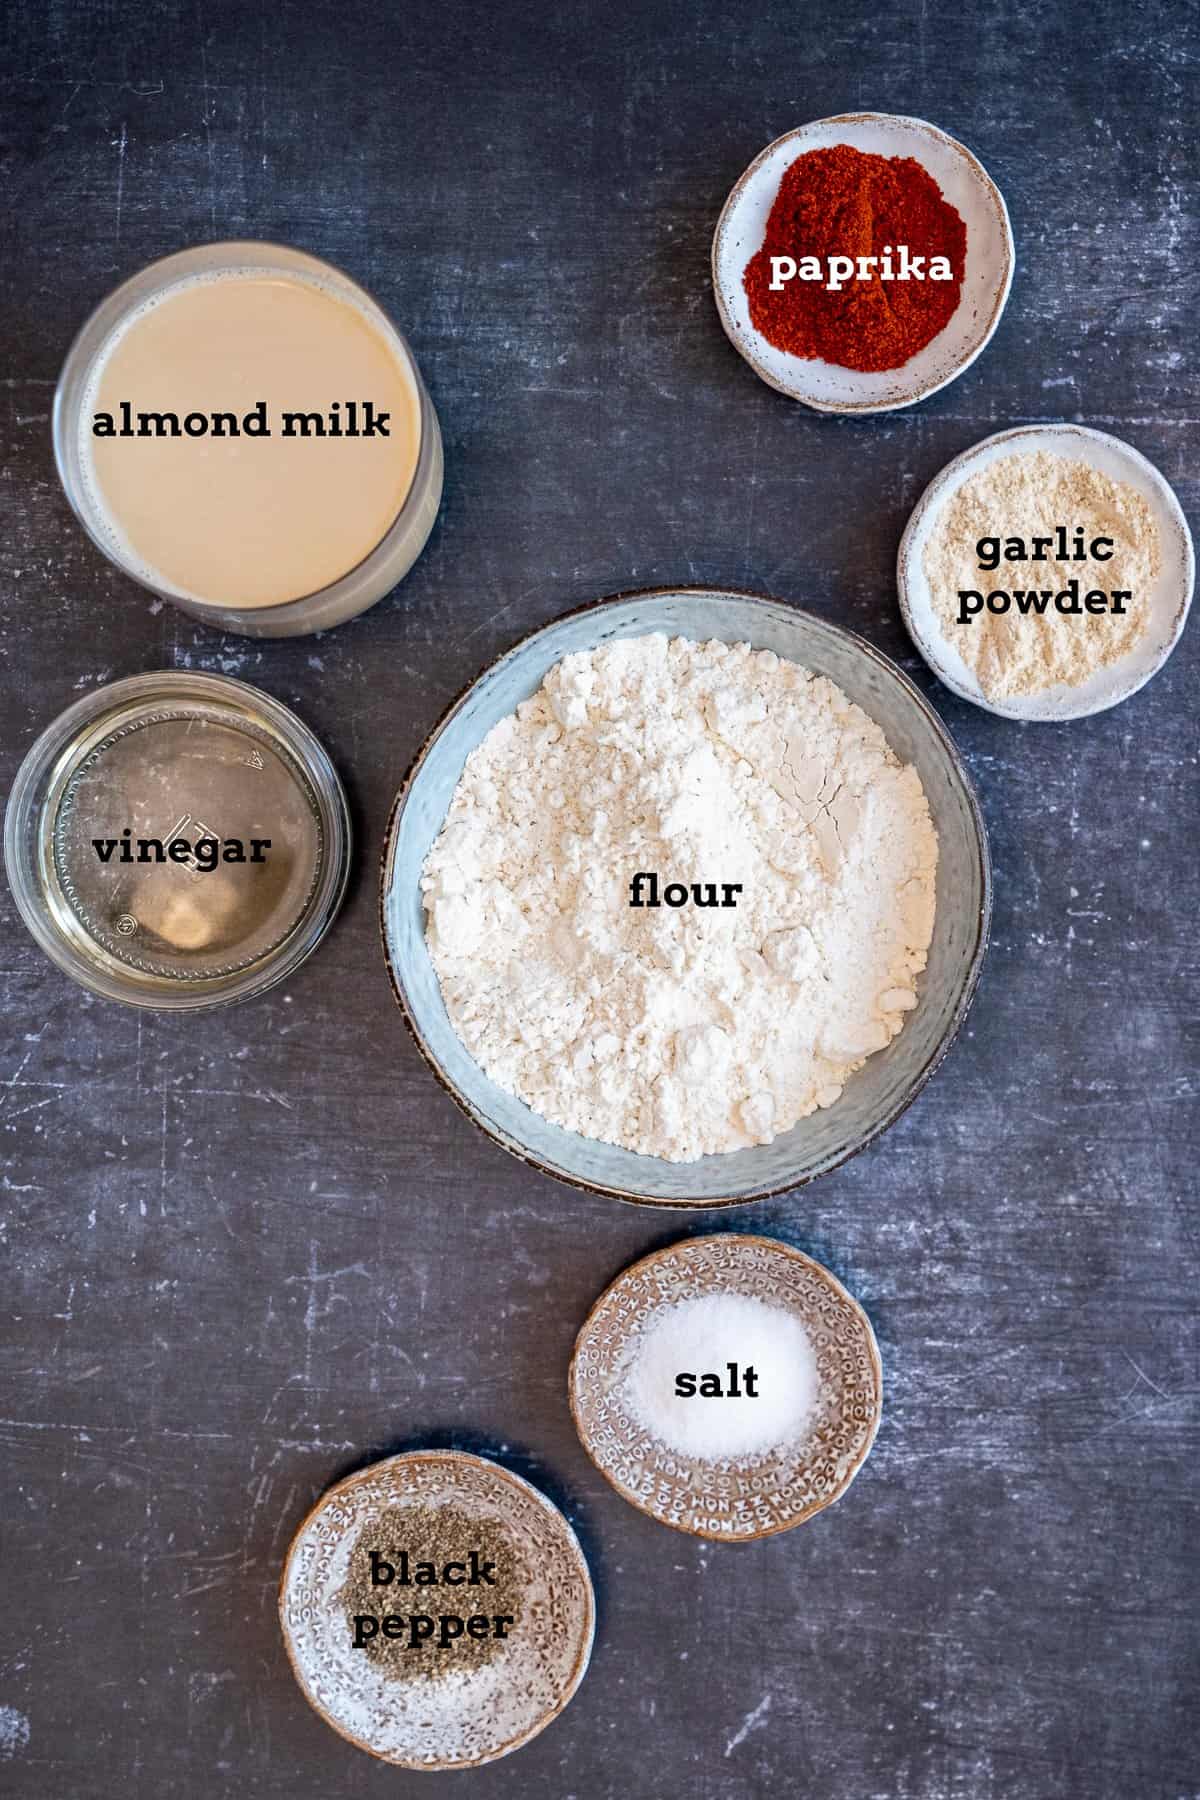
(878, 1092)
(967, 186)
(1169, 600)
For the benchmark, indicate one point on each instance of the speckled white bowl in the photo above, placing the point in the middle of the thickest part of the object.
(879, 1092)
(1169, 599)
(967, 186)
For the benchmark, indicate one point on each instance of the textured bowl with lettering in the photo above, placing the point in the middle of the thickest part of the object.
(469, 1717)
(746, 1497)
(888, 1082)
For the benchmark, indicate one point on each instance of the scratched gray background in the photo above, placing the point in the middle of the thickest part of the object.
(245, 1253)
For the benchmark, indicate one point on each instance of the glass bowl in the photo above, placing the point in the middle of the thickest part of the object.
(378, 572)
(176, 758)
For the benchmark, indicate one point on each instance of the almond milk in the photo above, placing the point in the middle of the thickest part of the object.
(265, 435)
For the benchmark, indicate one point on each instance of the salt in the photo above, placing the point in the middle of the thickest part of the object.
(703, 1336)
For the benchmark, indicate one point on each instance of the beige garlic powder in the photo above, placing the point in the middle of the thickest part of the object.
(1029, 495)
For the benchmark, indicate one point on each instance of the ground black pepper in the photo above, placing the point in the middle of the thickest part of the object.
(421, 1545)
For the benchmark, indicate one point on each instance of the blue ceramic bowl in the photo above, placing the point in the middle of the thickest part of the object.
(879, 1092)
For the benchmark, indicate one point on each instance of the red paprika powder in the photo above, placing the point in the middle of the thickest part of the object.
(845, 202)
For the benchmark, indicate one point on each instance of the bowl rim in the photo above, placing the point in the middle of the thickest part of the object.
(662, 1254)
(936, 493)
(981, 926)
(583, 1657)
(1001, 292)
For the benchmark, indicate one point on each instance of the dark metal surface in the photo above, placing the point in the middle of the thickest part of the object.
(245, 1252)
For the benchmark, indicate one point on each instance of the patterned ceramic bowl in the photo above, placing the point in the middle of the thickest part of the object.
(878, 1092)
(744, 1497)
(469, 1717)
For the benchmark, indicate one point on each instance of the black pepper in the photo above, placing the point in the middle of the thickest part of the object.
(431, 1590)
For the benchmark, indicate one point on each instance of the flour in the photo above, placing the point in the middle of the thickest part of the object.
(683, 1031)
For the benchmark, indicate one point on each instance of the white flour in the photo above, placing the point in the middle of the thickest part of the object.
(681, 1031)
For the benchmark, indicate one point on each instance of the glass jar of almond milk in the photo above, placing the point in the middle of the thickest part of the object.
(242, 429)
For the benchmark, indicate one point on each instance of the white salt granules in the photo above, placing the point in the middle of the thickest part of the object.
(702, 1337)
(683, 1030)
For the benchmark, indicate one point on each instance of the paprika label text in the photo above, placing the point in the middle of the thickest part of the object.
(895, 264)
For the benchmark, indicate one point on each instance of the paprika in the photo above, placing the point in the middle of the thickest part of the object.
(846, 204)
